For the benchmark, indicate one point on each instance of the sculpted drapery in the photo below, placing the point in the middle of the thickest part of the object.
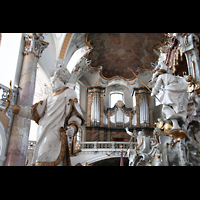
(53, 114)
(175, 97)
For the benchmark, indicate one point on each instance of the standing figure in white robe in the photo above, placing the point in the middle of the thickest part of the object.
(58, 116)
(174, 98)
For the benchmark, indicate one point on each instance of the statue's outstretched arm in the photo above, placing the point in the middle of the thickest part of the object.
(130, 133)
(35, 112)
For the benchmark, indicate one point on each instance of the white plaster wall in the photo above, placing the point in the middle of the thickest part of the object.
(11, 57)
(58, 40)
(48, 59)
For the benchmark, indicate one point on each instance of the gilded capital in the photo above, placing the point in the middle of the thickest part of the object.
(34, 44)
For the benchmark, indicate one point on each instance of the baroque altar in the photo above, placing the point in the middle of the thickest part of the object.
(176, 135)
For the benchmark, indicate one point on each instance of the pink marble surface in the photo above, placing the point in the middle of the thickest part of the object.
(27, 81)
(17, 147)
(16, 153)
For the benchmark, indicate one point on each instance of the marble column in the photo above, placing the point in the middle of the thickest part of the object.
(34, 46)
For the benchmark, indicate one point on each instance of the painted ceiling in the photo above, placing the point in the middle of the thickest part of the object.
(116, 52)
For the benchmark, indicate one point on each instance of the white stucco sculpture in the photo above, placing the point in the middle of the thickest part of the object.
(57, 116)
(142, 146)
(160, 65)
(174, 98)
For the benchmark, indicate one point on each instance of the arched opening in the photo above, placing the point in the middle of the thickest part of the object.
(110, 162)
(182, 66)
(114, 97)
(76, 57)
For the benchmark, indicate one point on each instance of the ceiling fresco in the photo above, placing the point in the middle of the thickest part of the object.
(116, 52)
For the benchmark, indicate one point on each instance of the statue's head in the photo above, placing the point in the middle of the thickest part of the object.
(140, 133)
(61, 77)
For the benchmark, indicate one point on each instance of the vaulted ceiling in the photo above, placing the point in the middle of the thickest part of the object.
(116, 52)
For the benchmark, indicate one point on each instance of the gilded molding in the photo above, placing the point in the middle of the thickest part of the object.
(59, 92)
(65, 45)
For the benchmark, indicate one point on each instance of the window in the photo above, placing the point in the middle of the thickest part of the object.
(114, 97)
(79, 135)
(77, 90)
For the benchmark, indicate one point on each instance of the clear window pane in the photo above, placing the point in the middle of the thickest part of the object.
(114, 97)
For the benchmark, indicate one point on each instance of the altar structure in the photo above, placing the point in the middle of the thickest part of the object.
(120, 108)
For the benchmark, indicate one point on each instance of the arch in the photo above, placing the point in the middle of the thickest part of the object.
(65, 45)
(76, 57)
(182, 66)
(111, 162)
(115, 96)
(101, 157)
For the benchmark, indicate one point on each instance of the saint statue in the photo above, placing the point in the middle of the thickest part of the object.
(58, 116)
(141, 147)
(174, 98)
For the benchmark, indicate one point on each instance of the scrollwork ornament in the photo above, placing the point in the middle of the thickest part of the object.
(34, 44)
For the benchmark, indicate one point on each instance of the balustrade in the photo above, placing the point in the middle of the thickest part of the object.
(89, 148)
(31, 145)
(3, 95)
(106, 145)
(95, 145)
